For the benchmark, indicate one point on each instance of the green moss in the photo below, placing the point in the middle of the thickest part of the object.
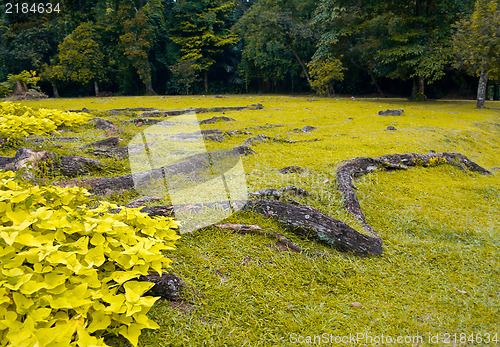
(439, 225)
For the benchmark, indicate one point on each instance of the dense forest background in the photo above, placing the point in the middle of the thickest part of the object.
(410, 48)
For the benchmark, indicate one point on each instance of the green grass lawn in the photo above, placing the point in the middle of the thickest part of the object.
(440, 273)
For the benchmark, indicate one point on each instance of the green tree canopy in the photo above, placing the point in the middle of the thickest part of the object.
(477, 44)
(137, 41)
(395, 39)
(184, 73)
(265, 45)
(202, 31)
(277, 39)
(324, 73)
(80, 58)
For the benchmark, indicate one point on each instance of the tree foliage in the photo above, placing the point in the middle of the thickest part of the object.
(24, 81)
(80, 57)
(324, 73)
(396, 39)
(184, 73)
(477, 44)
(202, 31)
(137, 41)
(267, 45)
(277, 39)
(477, 40)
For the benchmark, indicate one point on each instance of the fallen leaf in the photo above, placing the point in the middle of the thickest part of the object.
(326, 181)
(356, 304)
(461, 291)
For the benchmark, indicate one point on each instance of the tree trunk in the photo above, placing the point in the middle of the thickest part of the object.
(304, 220)
(20, 87)
(419, 7)
(496, 91)
(179, 112)
(421, 85)
(304, 69)
(374, 81)
(192, 165)
(418, 91)
(168, 286)
(351, 169)
(283, 243)
(331, 90)
(481, 89)
(266, 85)
(372, 76)
(54, 89)
(149, 88)
(96, 88)
(205, 77)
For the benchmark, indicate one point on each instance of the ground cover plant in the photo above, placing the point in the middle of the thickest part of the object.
(68, 270)
(19, 121)
(439, 273)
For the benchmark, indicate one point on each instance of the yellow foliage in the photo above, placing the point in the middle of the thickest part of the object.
(324, 73)
(17, 121)
(68, 272)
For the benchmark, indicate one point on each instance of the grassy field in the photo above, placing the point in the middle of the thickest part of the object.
(440, 273)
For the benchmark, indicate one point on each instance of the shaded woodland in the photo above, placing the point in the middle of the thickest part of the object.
(418, 49)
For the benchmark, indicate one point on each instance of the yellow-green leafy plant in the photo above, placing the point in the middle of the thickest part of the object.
(24, 80)
(324, 72)
(69, 272)
(18, 121)
(5, 89)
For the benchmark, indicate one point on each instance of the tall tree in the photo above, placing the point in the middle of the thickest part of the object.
(137, 41)
(276, 38)
(397, 39)
(202, 31)
(27, 41)
(110, 18)
(324, 73)
(164, 51)
(477, 44)
(184, 73)
(80, 58)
